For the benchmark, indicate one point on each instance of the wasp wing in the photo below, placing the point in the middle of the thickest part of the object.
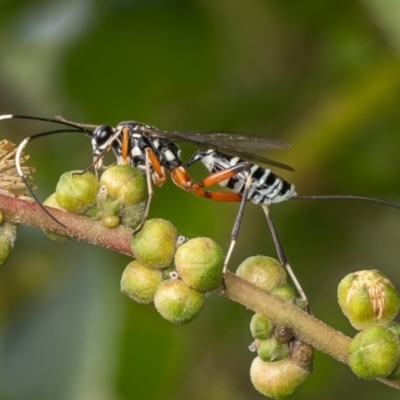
(236, 144)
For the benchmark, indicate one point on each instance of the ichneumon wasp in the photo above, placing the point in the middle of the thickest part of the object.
(231, 159)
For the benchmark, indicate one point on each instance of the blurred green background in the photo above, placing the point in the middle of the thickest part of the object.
(323, 76)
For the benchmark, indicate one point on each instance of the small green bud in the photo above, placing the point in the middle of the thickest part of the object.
(368, 298)
(284, 291)
(279, 379)
(139, 282)
(260, 327)
(374, 352)
(177, 302)
(8, 234)
(272, 350)
(124, 183)
(265, 272)
(199, 263)
(300, 303)
(155, 244)
(51, 201)
(110, 221)
(77, 192)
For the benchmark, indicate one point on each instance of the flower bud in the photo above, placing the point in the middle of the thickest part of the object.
(374, 352)
(139, 282)
(278, 379)
(271, 349)
(199, 263)
(155, 244)
(77, 192)
(265, 272)
(110, 221)
(368, 298)
(177, 302)
(260, 327)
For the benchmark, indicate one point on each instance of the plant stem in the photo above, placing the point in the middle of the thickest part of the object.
(304, 326)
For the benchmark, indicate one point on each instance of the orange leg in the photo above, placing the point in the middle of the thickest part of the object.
(181, 178)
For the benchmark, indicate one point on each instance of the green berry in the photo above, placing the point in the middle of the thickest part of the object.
(394, 327)
(199, 263)
(110, 221)
(265, 272)
(124, 183)
(77, 192)
(368, 298)
(284, 291)
(177, 302)
(51, 201)
(8, 234)
(139, 282)
(374, 352)
(155, 244)
(260, 326)
(279, 379)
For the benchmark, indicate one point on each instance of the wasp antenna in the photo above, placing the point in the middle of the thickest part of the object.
(348, 197)
(6, 116)
(78, 127)
(18, 156)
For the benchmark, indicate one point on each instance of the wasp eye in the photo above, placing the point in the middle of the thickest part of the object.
(102, 133)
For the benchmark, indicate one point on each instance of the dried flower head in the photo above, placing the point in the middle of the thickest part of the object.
(11, 183)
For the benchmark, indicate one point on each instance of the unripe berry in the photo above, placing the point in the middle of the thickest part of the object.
(284, 291)
(199, 263)
(8, 234)
(278, 379)
(265, 272)
(124, 183)
(177, 302)
(155, 244)
(51, 201)
(139, 282)
(77, 192)
(374, 352)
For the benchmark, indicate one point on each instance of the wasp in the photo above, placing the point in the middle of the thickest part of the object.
(232, 160)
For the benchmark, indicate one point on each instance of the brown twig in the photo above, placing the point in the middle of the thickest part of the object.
(304, 326)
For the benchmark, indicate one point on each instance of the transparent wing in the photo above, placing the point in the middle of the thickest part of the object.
(237, 144)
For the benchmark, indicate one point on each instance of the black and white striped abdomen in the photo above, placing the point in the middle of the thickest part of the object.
(266, 187)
